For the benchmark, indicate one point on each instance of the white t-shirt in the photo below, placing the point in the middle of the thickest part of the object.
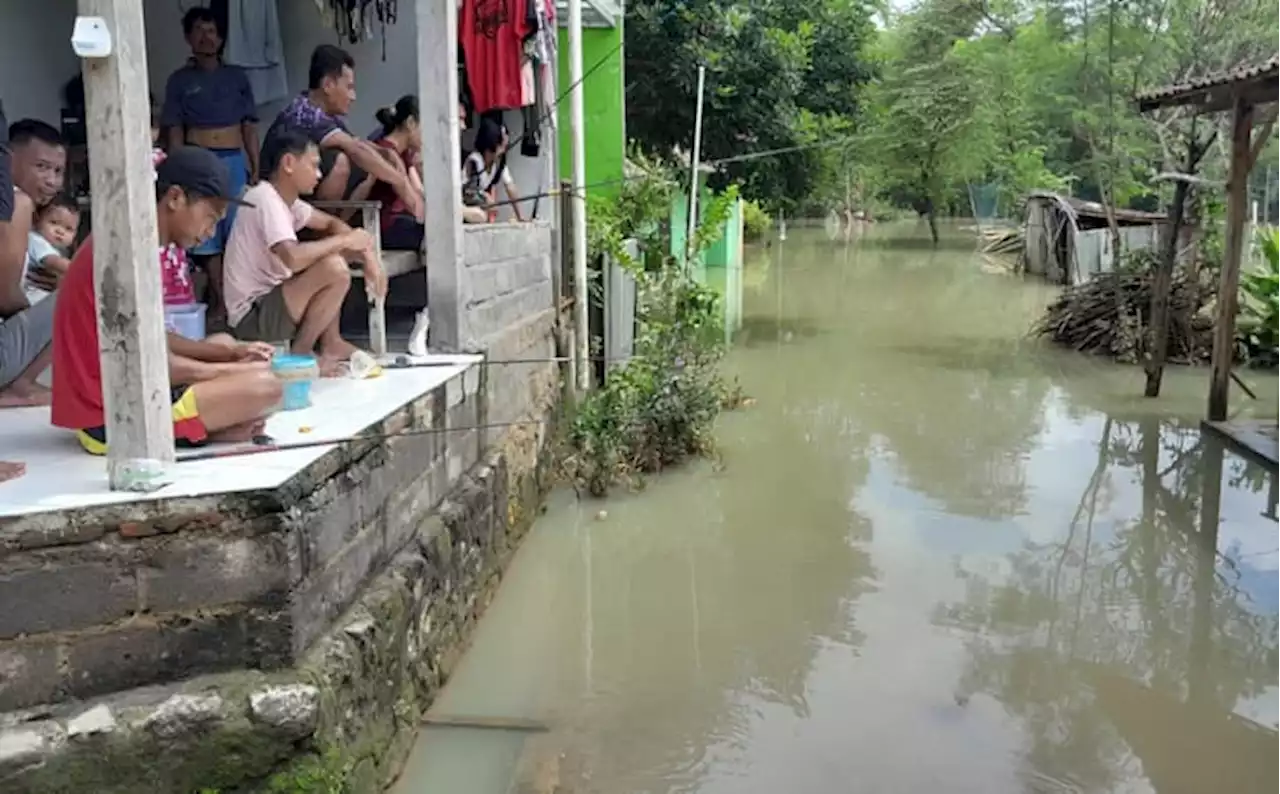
(38, 249)
(250, 268)
(475, 165)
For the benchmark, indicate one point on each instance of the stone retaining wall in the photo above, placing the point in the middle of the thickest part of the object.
(114, 598)
(345, 717)
(294, 636)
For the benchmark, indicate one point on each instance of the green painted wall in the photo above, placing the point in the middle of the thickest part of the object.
(603, 104)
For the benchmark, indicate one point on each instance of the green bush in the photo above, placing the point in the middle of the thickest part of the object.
(755, 221)
(658, 410)
(1258, 326)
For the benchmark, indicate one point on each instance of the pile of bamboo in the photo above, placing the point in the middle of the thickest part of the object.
(1110, 315)
(1001, 240)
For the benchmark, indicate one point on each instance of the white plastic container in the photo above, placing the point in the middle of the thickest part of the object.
(186, 320)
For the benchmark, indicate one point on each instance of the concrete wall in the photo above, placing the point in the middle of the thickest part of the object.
(510, 313)
(36, 59)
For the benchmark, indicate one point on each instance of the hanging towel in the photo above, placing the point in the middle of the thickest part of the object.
(253, 44)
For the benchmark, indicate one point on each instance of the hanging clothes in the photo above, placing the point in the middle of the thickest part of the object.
(359, 20)
(253, 43)
(492, 34)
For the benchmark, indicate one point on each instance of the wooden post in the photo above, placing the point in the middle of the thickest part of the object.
(437, 24)
(1225, 326)
(131, 335)
(1162, 284)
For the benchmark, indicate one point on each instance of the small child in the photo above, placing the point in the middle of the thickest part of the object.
(48, 244)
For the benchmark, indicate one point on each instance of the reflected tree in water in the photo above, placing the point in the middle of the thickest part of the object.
(1146, 599)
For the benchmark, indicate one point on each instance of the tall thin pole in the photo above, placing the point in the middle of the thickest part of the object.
(578, 147)
(695, 162)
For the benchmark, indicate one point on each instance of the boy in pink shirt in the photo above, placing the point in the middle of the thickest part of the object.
(278, 288)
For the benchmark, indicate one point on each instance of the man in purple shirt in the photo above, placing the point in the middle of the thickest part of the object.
(210, 104)
(345, 160)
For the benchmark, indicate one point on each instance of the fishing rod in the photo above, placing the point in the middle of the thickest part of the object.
(264, 444)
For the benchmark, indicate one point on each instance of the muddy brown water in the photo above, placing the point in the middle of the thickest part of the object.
(939, 557)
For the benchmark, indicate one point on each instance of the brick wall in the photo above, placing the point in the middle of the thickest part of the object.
(508, 278)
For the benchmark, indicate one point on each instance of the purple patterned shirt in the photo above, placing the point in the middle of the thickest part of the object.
(309, 118)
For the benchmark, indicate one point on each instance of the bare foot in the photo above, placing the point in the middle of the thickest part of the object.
(339, 351)
(11, 471)
(246, 431)
(332, 367)
(25, 395)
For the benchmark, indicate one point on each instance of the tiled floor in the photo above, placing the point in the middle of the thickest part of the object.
(61, 476)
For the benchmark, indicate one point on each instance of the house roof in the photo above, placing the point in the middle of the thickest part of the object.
(1092, 209)
(1256, 82)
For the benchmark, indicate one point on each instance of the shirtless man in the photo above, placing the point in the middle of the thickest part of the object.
(220, 392)
(318, 113)
(208, 103)
(32, 168)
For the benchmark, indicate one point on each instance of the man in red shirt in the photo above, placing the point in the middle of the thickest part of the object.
(220, 392)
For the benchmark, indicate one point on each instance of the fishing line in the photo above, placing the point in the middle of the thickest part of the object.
(405, 362)
(552, 107)
(267, 445)
(637, 177)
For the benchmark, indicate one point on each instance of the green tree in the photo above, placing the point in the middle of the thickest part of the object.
(925, 106)
(780, 74)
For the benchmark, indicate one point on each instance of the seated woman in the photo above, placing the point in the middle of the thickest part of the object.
(486, 168)
(402, 141)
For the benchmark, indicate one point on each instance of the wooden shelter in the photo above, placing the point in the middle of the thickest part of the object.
(1066, 240)
(1241, 90)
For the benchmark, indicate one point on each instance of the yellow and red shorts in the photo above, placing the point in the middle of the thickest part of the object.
(188, 427)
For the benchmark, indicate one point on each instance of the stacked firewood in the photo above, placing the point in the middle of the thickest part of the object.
(1110, 315)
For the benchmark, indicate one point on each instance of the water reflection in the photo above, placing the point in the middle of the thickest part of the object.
(939, 558)
(1127, 644)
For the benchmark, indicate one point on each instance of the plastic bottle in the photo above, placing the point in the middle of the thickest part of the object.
(418, 339)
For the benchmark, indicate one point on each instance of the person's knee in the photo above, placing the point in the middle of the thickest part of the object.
(264, 390)
(336, 270)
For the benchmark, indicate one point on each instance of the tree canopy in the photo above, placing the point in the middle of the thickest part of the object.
(907, 107)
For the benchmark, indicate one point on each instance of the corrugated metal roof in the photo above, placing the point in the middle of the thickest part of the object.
(1093, 209)
(1259, 73)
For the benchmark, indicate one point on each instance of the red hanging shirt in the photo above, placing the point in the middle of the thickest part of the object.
(492, 34)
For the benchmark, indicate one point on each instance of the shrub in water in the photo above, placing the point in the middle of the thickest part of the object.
(660, 408)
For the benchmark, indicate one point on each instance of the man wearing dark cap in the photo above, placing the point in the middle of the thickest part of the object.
(219, 391)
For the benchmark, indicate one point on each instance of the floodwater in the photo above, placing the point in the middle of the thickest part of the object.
(938, 557)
